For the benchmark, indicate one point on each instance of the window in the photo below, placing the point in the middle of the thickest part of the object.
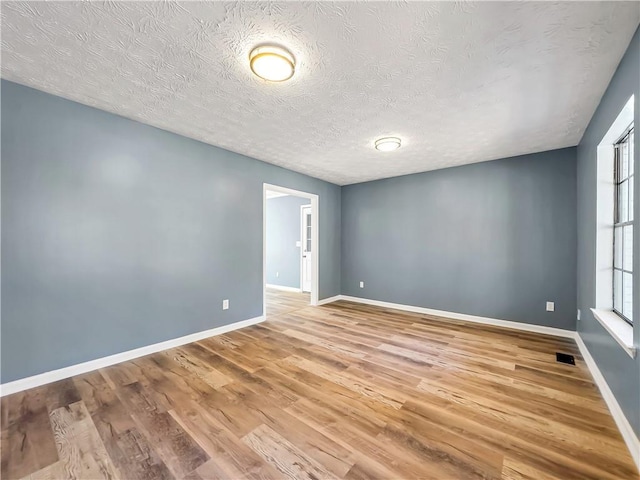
(623, 226)
(613, 302)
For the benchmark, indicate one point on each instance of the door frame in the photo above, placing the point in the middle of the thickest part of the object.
(302, 234)
(315, 237)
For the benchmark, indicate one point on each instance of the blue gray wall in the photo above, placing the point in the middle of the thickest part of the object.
(494, 239)
(621, 371)
(117, 235)
(283, 231)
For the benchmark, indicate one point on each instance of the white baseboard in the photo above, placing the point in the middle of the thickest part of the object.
(80, 368)
(282, 287)
(324, 301)
(628, 434)
(527, 327)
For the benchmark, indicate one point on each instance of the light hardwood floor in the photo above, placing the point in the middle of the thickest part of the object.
(339, 391)
(279, 301)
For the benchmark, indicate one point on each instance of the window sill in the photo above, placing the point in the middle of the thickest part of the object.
(620, 330)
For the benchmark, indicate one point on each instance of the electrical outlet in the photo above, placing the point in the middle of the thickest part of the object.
(361, 284)
(277, 274)
(578, 314)
(225, 304)
(551, 307)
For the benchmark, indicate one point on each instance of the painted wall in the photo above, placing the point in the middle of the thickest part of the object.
(494, 239)
(117, 235)
(621, 371)
(283, 231)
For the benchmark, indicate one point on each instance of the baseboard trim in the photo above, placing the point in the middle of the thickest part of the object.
(80, 368)
(628, 434)
(282, 287)
(335, 298)
(527, 327)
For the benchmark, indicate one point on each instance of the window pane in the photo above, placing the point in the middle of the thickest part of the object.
(627, 296)
(617, 247)
(617, 290)
(627, 254)
(623, 202)
(624, 160)
(631, 197)
(631, 157)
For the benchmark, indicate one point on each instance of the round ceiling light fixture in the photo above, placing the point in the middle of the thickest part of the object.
(272, 63)
(388, 144)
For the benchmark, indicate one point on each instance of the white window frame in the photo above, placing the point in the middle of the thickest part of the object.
(619, 329)
(620, 224)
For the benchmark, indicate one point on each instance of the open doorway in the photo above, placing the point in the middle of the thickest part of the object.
(290, 250)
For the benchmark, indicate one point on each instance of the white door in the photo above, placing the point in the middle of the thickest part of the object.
(307, 248)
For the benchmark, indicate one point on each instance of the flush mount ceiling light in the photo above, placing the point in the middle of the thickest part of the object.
(272, 63)
(387, 144)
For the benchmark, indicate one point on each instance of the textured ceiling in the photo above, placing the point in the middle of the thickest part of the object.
(459, 82)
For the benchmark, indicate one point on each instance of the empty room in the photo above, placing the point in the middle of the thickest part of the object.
(320, 240)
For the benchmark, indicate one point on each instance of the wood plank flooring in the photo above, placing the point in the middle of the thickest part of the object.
(339, 391)
(282, 301)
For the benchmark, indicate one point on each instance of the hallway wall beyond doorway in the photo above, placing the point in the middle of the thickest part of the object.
(284, 240)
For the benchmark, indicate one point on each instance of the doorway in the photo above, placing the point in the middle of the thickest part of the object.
(279, 286)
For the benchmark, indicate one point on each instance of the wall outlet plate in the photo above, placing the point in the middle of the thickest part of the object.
(578, 316)
(225, 304)
(361, 284)
(551, 307)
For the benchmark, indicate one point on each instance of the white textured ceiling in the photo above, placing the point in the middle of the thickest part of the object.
(459, 82)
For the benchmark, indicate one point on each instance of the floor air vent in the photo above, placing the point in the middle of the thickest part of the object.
(565, 358)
